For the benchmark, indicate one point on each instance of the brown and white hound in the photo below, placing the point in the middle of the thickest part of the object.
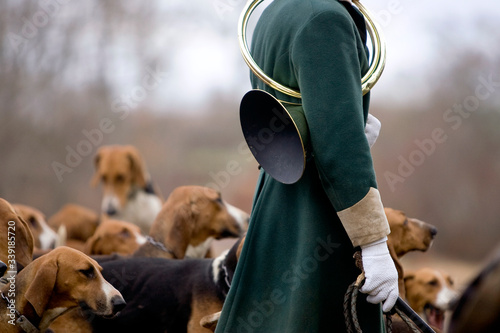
(128, 193)
(190, 219)
(53, 284)
(162, 295)
(430, 293)
(45, 237)
(79, 223)
(16, 244)
(407, 235)
(113, 236)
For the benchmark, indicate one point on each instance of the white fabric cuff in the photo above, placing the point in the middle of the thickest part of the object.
(376, 248)
(372, 129)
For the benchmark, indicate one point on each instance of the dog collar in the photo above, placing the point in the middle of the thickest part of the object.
(160, 246)
(21, 320)
(226, 278)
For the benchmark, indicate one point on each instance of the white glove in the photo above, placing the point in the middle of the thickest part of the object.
(372, 129)
(381, 276)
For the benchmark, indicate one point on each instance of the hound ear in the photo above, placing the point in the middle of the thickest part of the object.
(210, 321)
(26, 241)
(90, 244)
(200, 198)
(95, 180)
(137, 167)
(39, 291)
(177, 238)
(194, 209)
(409, 276)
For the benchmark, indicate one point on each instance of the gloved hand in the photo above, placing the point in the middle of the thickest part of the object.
(372, 129)
(381, 276)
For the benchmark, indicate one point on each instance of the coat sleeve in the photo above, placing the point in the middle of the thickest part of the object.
(326, 56)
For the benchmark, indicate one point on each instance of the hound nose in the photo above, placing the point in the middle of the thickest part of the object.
(118, 303)
(434, 232)
(111, 211)
(3, 268)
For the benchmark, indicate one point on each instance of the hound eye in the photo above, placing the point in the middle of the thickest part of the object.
(120, 179)
(32, 221)
(125, 233)
(450, 280)
(433, 283)
(405, 223)
(104, 178)
(89, 272)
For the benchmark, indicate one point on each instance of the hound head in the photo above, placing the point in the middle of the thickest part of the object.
(114, 236)
(408, 234)
(14, 229)
(120, 170)
(214, 214)
(45, 238)
(66, 278)
(80, 222)
(430, 292)
(193, 216)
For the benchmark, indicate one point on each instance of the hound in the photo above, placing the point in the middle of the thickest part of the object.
(430, 293)
(407, 234)
(190, 219)
(16, 236)
(74, 224)
(113, 236)
(128, 193)
(162, 295)
(45, 237)
(53, 284)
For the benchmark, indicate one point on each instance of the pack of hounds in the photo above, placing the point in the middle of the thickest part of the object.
(145, 264)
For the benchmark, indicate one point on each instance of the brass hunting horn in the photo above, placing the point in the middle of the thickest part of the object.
(277, 135)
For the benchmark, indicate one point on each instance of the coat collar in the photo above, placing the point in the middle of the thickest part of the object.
(358, 18)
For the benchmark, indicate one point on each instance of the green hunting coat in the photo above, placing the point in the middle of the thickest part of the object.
(296, 263)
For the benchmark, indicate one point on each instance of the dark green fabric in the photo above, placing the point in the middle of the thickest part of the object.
(315, 45)
(297, 263)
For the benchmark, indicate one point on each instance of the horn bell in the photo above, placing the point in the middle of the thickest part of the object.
(276, 135)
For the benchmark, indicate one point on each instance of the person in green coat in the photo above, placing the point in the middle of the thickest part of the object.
(297, 260)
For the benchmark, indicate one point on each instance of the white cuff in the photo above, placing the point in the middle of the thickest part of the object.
(376, 248)
(372, 129)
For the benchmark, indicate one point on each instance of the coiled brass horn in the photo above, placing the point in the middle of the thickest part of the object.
(278, 136)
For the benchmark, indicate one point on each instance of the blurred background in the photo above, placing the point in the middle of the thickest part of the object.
(167, 77)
